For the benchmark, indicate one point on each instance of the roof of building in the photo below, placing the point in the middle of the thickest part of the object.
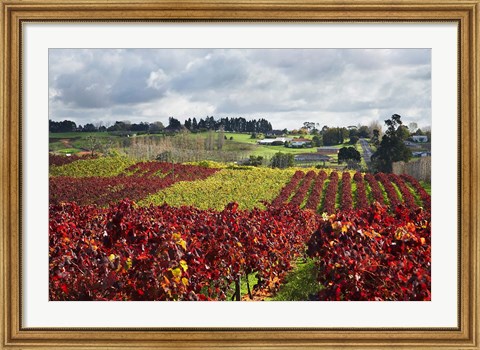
(300, 139)
(312, 156)
(327, 149)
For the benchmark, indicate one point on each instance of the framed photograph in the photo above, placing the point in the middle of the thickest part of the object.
(239, 175)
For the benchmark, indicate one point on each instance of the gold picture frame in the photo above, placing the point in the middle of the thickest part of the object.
(464, 13)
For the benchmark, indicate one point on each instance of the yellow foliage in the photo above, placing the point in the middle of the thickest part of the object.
(103, 167)
(176, 272)
(247, 187)
(184, 265)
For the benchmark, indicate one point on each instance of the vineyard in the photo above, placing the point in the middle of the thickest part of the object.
(125, 230)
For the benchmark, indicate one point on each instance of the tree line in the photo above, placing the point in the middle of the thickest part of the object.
(70, 126)
(236, 124)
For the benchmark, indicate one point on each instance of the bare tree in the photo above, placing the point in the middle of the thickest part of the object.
(93, 144)
(209, 141)
(412, 127)
(220, 139)
(376, 125)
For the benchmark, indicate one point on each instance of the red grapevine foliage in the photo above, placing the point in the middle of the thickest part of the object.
(406, 194)
(126, 252)
(375, 188)
(138, 181)
(315, 195)
(426, 198)
(347, 201)
(302, 191)
(373, 255)
(286, 191)
(391, 193)
(361, 194)
(331, 193)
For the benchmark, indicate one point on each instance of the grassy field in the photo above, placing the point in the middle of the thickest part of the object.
(244, 144)
(239, 145)
(74, 142)
(243, 138)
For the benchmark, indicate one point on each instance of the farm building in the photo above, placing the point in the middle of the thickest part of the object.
(327, 150)
(311, 157)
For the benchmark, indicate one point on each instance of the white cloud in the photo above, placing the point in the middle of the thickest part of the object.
(157, 79)
(162, 109)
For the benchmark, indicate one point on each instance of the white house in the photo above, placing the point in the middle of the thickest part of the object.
(419, 138)
(272, 141)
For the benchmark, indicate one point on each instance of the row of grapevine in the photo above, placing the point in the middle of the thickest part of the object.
(407, 195)
(424, 196)
(389, 189)
(361, 193)
(303, 189)
(331, 193)
(375, 190)
(315, 195)
(346, 199)
(289, 188)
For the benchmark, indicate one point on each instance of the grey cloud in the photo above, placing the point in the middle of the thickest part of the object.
(213, 71)
(342, 85)
(81, 91)
(131, 86)
(302, 64)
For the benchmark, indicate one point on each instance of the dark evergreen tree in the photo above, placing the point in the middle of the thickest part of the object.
(118, 126)
(63, 126)
(348, 153)
(188, 123)
(202, 125)
(363, 132)
(89, 127)
(334, 136)
(392, 147)
(174, 124)
(353, 140)
(194, 124)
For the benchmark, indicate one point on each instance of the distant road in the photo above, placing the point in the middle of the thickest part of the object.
(367, 151)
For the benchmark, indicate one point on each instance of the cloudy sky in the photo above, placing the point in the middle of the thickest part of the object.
(334, 87)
